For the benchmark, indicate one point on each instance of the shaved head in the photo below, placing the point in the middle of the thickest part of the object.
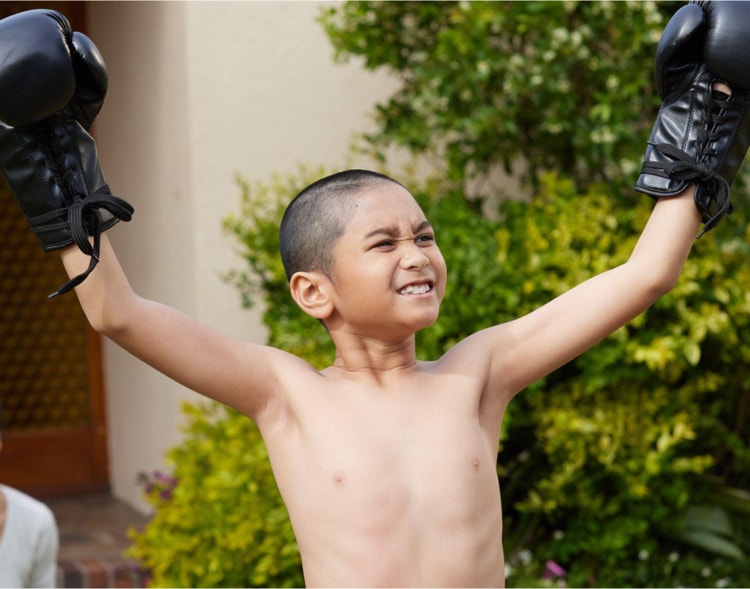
(318, 216)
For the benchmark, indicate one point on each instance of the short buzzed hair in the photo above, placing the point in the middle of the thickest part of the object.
(317, 217)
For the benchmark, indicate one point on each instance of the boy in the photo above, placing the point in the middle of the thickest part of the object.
(387, 463)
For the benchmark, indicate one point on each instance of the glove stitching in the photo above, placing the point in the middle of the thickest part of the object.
(683, 167)
(82, 216)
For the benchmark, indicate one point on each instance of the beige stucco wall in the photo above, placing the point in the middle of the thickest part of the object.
(198, 92)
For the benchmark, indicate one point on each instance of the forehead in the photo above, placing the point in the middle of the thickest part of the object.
(386, 204)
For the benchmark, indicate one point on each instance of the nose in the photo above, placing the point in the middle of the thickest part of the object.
(414, 258)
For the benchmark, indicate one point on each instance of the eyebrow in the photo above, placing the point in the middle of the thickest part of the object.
(393, 231)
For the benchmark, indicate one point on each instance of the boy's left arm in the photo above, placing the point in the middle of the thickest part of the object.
(696, 147)
(534, 345)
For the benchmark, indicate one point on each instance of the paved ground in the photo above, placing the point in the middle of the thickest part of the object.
(93, 536)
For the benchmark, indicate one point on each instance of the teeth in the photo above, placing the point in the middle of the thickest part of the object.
(415, 289)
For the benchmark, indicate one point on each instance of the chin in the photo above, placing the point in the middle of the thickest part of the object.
(427, 322)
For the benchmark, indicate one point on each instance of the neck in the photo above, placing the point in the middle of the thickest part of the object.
(365, 357)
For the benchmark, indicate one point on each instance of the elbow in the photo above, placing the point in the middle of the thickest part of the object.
(656, 276)
(107, 327)
(661, 283)
(109, 320)
(104, 324)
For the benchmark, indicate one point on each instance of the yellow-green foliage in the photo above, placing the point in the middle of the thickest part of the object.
(618, 449)
(219, 519)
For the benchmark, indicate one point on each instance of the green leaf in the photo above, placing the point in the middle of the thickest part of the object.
(708, 518)
(713, 543)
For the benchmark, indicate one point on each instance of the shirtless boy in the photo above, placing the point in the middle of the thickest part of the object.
(387, 463)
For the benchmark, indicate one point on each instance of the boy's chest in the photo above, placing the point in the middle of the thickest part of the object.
(402, 429)
(389, 458)
(398, 445)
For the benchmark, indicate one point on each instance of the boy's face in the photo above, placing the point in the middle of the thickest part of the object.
(388, 273)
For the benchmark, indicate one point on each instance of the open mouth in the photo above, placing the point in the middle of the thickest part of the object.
(416, 289)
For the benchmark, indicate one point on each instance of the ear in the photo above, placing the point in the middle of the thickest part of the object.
(310, 292)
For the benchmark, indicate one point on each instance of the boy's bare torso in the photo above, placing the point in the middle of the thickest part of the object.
(391, 483)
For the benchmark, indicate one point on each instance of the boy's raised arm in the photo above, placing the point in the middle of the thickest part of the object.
(52, 85)
(534, 345)
(236, 373)
(696, 148)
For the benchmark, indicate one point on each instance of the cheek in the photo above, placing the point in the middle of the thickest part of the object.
(360, 281)
(442, 275)
(438, 262)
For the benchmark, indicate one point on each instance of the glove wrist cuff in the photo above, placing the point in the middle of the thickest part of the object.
(699, 136)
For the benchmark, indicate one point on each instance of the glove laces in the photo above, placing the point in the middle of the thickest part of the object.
(687, 168)
(712, 189)
(84, 220)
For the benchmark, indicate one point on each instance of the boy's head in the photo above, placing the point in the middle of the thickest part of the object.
(318, 216)
(361, 256)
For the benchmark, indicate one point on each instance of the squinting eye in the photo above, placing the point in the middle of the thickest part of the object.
(427, 238)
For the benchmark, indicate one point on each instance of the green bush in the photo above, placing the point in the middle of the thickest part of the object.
(219, 521)
(618, 453)
(565, 86)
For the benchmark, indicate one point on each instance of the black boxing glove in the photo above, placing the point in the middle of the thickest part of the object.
(52, 86)
(701, 135)
(68, 69)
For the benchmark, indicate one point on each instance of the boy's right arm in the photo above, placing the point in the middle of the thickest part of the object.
(52, 85)
(239, 374)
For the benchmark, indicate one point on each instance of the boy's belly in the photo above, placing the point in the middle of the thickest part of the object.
(433, 556)
(382, 521)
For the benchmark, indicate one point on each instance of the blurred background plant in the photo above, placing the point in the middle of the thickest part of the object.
(219, 520)
(564, 86)
(627, 467)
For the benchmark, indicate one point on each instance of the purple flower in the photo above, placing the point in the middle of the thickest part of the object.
(158, 484)
(552, 570)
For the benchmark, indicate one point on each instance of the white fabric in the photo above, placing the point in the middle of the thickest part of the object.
(29, 542)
